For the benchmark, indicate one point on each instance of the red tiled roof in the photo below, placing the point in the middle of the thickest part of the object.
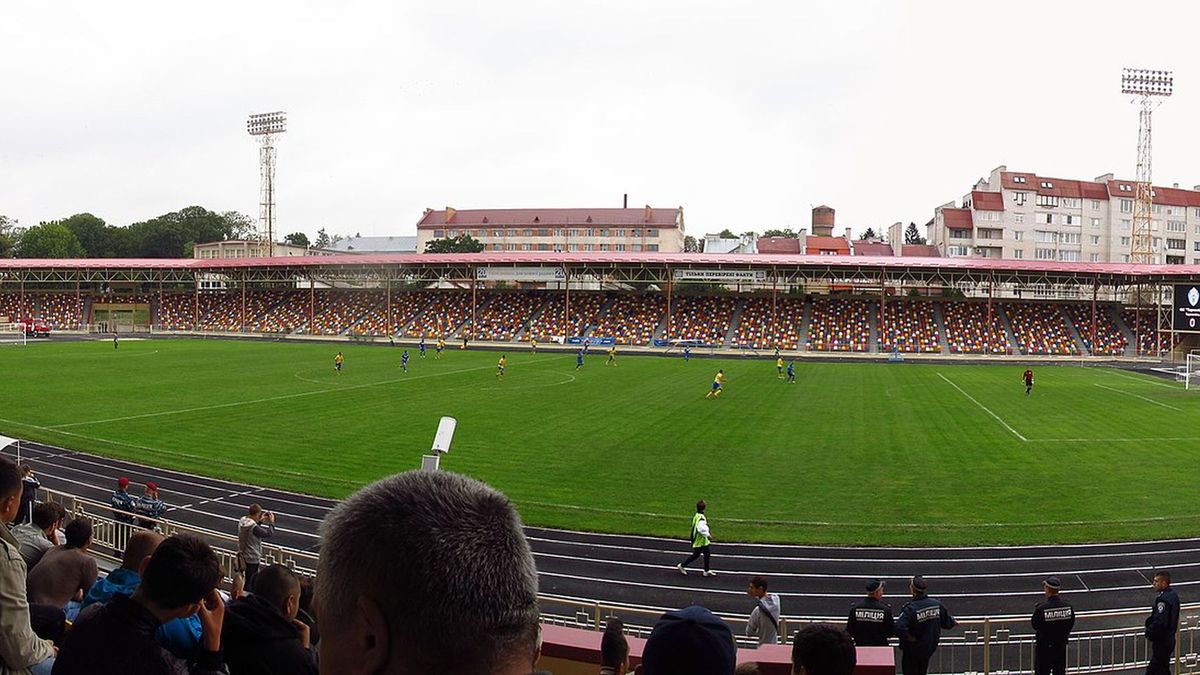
(1059, 187)
(919, 251)
(1090, 190)
(876, 248)
(813, 243)
(957, 219)
(663, 218)
(779, 245)
(987, 201)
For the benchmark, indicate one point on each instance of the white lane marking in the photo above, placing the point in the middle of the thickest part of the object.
(268, 399)
(749, 572)
(984, 408)
(1130, 393)
(214, 499)
(1114, 440)
(1144, 379)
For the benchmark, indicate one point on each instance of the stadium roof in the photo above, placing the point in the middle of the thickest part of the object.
(533, 258)
(449, 217)
(375, 245)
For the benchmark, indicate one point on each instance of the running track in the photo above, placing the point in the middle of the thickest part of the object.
(634, 570)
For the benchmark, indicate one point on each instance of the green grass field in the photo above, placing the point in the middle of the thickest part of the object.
(855, 453)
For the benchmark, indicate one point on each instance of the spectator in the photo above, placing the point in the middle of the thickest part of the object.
(122, 502)
(1162, 625)
(747, 668)
(250, 536)
(20, 648)
(149, 506)
(306, 613)
(919, 628)
(65, 572)
(261, 633)
(614, 648)
(179, 580)
(29, 488)
(691, 641)
(39, 536)
(764, 618)
(454, 590)
(822, 649)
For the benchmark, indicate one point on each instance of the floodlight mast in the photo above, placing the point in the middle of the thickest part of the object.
(265, 126)
(1145, 85)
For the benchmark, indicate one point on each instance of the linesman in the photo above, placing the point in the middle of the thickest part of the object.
(870, 620)
(1052, 621)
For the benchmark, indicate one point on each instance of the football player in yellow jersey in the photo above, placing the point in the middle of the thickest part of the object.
(439, 348)
(612, 356)
(779, 367)
(718, 383)
(500, 367)
(337, 362)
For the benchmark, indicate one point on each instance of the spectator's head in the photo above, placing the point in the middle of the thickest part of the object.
(46, 517)
(26, 470)
(701, 505)
(79, 534)
(1052, 585)
(822, 649)
(758, 587)
(691, 641)
(152, 490)
(454, 589)
(10, 490)
(875, 589)
(747, 668)
(614, 648)
(255, 511)
(279, 586)
(139, 548)
(180, 574)
(122, 483)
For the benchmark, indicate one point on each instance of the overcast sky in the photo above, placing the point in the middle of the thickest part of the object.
(744, 113)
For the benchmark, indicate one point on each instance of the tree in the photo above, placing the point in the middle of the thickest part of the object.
(92, 232)
(322, 239)
(693, 245)
(49, 240)
(868, 233)
(786, 232)
(241, 226)
(296, 239)
(9, 234)
(912, 236)
(463, 243)
(727, 234)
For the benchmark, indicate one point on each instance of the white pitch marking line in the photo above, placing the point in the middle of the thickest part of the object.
(1130, 393)
(984, 408)
(1143, 380)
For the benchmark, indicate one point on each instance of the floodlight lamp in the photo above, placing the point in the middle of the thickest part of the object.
(262, 124)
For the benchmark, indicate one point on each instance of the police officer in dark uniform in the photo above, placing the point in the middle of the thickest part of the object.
(919, 628)
(1052, 620)
(870, 620)
(1162, 625)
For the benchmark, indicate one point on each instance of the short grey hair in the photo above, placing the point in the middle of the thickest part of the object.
(447, 561)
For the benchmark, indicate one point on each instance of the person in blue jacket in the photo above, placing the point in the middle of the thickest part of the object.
(1162, 624)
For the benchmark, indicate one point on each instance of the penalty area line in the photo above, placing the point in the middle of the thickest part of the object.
(1130, 393)
(984, 408)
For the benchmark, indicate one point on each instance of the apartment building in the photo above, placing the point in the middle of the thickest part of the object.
(1018, 215)
(647, 229)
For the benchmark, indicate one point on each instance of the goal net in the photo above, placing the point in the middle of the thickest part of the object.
(1191, 370)
(12, 334)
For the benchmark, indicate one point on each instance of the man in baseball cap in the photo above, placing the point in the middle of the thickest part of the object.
(122, 502)
(870, 620)
(149, 506)
(690, 641)
(919, 628)
(1052, 621)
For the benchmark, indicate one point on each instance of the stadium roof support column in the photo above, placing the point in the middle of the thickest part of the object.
(390, 323)
(774, 300)
(474, 301)
(1095, 292)
(882, 302)
(195, 301)
(312, 301)
(670, 285)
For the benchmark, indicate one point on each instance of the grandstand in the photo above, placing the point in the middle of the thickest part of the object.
(840, 325)
(1041, 329)
(766, 324)
(910, 327)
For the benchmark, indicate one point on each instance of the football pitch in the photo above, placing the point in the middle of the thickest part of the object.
(853, 453)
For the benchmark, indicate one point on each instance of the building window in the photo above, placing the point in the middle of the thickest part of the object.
(1018, 235)
(527, 232)
(497, 247)
(1049, 218)
(1069, 237)
(637, 248)
(1095, 240)
(652, 233)
(635, 233)
(1176, 244)
(652, 247)
(1125, 225)
(605, 247)
(1154, 225)
(620, 247)
(1124, 241)
(1093, 257)
(960, 234)
(1126, 206)
(1018, 218)
(543, 233)
(1125, 258)
(1095, 204)
(526, 247)
(1174, 260)
(543, 247)
(1069, 220)
(1018, 179)
(1018, 254)
(1044, 237)
(1047, 200)
(1047, 185)
(1070, 203)
(1176, 226)
(620, 233)
(957, 250)
(1068, 256)
(1019, 198)
(439, 234)
(1158, 208)
(1095, 222)
(589, 232)
(1043, 253)
(1196, 246)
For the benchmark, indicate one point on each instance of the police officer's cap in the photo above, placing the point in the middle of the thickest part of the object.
(918, 582)
(1053, 582)
(874, 585)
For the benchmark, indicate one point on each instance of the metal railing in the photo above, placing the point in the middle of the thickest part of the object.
(1103, 641)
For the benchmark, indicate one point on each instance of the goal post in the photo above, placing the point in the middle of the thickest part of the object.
(13, 334)
(1191, 370)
